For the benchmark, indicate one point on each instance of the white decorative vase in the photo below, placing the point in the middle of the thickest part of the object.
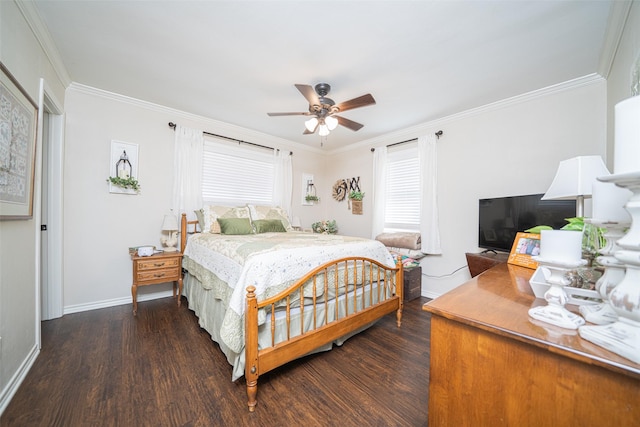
(560, 253)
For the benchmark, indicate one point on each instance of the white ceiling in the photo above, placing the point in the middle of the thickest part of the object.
(234, 61)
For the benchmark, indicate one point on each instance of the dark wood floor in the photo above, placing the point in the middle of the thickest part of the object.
(106, 367)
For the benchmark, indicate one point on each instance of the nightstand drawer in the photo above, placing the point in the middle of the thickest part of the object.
(169, 274)
(154, 264)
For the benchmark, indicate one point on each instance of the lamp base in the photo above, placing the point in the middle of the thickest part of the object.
(556, 315)
(170, 249)
(621, 337)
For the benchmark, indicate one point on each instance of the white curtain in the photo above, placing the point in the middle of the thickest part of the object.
(379, 190)
(283, 181)
(429, 229)
(187, 171)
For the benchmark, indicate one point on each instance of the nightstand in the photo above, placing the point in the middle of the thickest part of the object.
(159, 268)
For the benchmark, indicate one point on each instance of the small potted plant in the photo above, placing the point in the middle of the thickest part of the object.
(355, 201)
(312, 198)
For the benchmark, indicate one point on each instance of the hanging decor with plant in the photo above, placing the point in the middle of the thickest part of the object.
(124, 168)
(355, 202)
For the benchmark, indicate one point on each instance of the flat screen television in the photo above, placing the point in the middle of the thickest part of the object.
(502, 217)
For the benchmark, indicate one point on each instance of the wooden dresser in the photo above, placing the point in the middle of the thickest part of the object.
(491, 365)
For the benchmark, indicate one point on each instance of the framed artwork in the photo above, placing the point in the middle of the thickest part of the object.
(18, 121)
(525, 246)
(124, 165)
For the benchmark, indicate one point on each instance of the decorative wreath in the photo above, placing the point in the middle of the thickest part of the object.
(340, 190)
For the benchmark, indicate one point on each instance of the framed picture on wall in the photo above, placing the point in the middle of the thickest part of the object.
(525, 246)
(18, 121)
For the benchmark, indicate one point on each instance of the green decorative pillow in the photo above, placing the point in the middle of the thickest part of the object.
(235, 226)
(269, 226)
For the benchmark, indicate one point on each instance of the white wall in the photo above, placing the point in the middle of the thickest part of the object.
(100, 226)
(21, 53)
(508, 148)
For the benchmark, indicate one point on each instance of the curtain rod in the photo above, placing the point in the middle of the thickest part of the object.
(173, 125)
(438, 135)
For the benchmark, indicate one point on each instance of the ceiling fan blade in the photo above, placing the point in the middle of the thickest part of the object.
(289, 114)
(309, 93)
(354, 126)
(361, 101)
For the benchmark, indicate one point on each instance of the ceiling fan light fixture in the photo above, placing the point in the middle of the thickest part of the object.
(311, 124)
(324, 130)
(331, 122)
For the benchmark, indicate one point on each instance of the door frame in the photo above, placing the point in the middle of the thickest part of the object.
(50, 289)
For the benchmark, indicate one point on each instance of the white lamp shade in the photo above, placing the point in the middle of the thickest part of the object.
(331, 122)
(170, 223)
(575, 177)
(311, 124)
(324, 130)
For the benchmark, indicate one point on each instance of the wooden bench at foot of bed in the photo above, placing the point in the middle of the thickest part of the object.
(372, 298)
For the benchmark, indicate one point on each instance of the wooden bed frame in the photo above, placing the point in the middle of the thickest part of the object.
(379, 301)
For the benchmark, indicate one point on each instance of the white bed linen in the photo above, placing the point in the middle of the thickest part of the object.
(270, 262)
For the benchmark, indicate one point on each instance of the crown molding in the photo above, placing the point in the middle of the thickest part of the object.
(41, 33)
(615, 28)
(212, 125)
(434, 125)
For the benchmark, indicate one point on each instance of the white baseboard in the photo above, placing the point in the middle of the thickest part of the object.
(431, 295)
(114, 302)
(12, 386)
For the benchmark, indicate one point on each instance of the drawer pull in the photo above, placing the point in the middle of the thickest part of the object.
(159, 264)
(159, 275)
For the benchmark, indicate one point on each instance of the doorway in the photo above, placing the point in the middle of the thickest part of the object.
(51, 234)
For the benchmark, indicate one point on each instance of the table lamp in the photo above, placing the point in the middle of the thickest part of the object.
(574, 180)
(170, 226)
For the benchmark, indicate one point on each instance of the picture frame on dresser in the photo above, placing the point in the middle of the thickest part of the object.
(18, 124)
(525, 247)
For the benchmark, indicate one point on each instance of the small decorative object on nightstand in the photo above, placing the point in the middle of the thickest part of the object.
(170, 226)
(160, 268)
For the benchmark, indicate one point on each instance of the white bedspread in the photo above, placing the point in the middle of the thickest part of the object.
(270, 262)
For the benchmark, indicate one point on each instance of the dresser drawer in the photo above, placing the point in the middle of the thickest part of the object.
(154, 264)
(166, 274)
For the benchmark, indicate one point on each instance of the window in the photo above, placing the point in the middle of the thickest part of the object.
(402, 211)
(232, 173)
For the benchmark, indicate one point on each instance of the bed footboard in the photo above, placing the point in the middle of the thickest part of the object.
(366, 290)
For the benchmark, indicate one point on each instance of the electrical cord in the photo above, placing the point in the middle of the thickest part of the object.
(446, 275)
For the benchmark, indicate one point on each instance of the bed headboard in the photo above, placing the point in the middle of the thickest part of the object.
(186, 230)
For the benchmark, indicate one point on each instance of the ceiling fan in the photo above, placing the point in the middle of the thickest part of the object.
(324, 110)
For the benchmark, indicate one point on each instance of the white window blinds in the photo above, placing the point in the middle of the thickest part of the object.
(402, 211)
(236, 174)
